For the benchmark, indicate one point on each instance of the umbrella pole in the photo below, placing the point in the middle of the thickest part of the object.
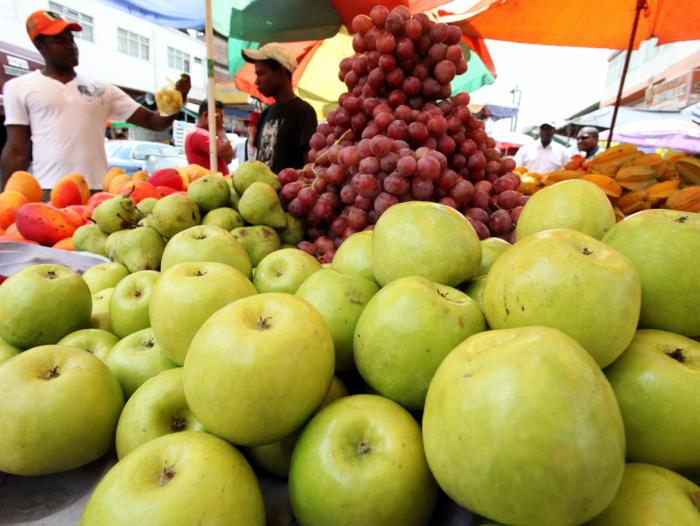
(211, 88)
(641, 4)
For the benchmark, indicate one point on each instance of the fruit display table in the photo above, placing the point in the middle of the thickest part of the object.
(58, 500)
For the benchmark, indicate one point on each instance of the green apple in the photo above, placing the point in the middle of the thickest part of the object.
(59, 407)
(429, 240)
(155, 409)
(284, 270)
(7, 351)
(104, 276)
(651, 496)
(521, 426)
(277, 456)
(354, 256)
(136, 358)
(574, 204)
(128, 306)
(258, 241)
(185, 296)
(657, 385)
(41, 304)
(95, 341)
(664, 246)
(179, 478)
(360, 461)
(569, 281)
(99, 318)
(406, 331)
(258, 368)
(491, 248)
(206, 243)
(225, 217)
(474, 288)
(209, 192)
(90, 238)
(174, 213)
(145, 206)
(340, 298)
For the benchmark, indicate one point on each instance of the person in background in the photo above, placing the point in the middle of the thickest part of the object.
(56, 119)
(247, 148)
(285, 127)
(197, 140)
(544, 155)
(586, 143)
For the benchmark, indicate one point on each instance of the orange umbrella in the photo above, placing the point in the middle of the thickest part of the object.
(593, 23)
(614, 24)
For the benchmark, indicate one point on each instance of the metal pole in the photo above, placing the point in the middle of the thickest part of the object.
(641, 4)
(211, 87)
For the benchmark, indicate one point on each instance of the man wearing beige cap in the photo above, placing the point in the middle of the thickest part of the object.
(285, 127)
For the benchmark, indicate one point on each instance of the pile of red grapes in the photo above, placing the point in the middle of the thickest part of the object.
(398, 136)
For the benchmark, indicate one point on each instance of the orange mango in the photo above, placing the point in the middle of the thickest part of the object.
(43, 223)
(111, 174)
(66, 192)
(139, 190)
(65, 244)
(140, 176)
(118, 181)
(25, 184)
(10, 201)
(82, 185)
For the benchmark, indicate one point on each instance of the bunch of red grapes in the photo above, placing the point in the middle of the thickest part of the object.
(391, 141)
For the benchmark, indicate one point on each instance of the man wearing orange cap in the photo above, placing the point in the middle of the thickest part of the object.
(56, 119)
(284, 130)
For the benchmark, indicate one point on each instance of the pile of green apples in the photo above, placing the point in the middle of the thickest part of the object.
(552, 381)
(242, 213)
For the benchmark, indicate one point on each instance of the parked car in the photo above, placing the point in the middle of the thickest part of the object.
(132, 156)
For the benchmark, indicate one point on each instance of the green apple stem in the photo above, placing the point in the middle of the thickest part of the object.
(52, 373)
(166, 475)
(363, 448)
(263, 323)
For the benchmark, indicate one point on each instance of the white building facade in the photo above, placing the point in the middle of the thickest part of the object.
(663, 77)
(115, 46)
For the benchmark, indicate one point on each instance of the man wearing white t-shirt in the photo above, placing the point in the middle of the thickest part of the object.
(544, 155)
(56, 119)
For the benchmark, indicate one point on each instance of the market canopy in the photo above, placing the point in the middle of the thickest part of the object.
(602, 117)
(594, 23)
(676, 134)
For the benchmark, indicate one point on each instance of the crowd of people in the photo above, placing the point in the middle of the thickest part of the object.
(546, 155)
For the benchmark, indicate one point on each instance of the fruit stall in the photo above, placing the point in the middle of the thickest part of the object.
(407, 330)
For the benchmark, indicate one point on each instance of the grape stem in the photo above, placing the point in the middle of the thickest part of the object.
(338, 141)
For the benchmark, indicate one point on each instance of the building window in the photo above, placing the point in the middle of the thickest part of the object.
(132, 44)
(178, 60)
(85, 21)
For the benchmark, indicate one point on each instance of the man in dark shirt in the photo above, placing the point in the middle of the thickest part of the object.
(285, 127)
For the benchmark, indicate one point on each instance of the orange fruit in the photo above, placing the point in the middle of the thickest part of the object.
(12, 232)
(66, 192)
(111, 174)
(82, 186)
(140, 176)
(118, 181)
(65, 244)
(10, 201)
(25, 184)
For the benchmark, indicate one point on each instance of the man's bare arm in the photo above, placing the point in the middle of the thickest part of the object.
(16, 155)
